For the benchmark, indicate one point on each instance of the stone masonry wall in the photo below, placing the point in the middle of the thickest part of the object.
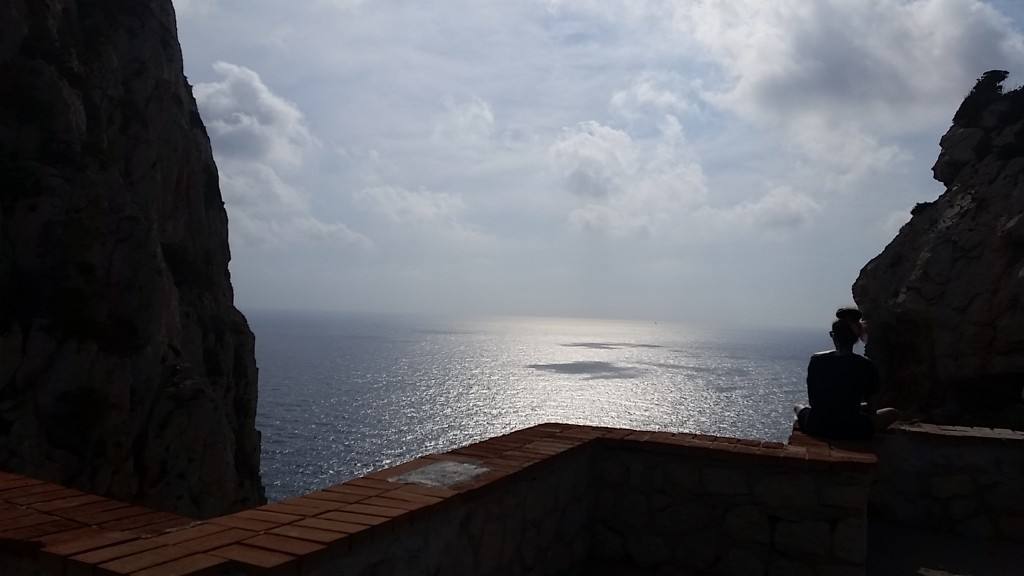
(966, 481)
(554, 499)
(633, 506)
(724, 516)
(533, 524)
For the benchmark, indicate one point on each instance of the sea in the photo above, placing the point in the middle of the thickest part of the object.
(344, 394)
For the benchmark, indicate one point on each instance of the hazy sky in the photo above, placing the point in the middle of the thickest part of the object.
(701, 161)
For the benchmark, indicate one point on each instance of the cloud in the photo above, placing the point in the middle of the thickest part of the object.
(404, 206)
(247, 121)
(650, 93)
(595, 161)
(289, 231)
(629, 187)
(779, 209)
(656, 188)
(343, 4)
(862, 59)
(191, 8)
(438, 213)
(257, 136)
(663, 140)
(609, 12)
(258, 190)
(464, 123)
(847, 76)
(843, 151)
(266, 211)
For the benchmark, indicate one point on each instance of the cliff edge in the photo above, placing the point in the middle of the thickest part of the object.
(945, 299)
(125, 368)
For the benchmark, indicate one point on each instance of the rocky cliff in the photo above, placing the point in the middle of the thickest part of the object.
(125, 368)
(945, 299)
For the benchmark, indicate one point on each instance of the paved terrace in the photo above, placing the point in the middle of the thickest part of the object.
(553, 498)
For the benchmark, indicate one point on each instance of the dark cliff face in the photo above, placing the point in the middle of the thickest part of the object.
(125, 368)
(945, 299)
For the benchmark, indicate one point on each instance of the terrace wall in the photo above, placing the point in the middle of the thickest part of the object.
(535, 522)
(964, 481)
(552, 499)
(729, 516)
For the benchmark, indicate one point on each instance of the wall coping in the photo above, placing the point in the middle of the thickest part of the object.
(68, 530)
(959, 434)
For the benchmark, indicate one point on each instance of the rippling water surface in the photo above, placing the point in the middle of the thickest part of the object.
(344, 394)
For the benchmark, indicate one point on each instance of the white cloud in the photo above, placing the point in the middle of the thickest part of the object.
(799, 116)
(780, 209)
(650, 92)
(464, 123)
(595, 161)
(286, 232)
(343, 4)
(630, 187)
(191, 8)
(605, 220)
(258, 190)
(612, 12)
(862, 59)
(843, 151)
(258, 136)
(847, 76)
(265, 211)
(247, 121)
(437, 213)
(404, 206)
(656, 189)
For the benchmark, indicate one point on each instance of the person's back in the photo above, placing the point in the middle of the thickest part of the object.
(837, 384)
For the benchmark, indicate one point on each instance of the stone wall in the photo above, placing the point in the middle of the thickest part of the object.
(724, 516)
(553, 499)
(965, 481)
(533, 524)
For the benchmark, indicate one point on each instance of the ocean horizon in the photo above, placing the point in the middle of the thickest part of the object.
(343, 394)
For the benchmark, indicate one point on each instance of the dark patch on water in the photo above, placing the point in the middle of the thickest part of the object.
(609, 345)
(594, 370)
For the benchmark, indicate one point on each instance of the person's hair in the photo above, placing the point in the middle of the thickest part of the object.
(843, 333)
(849, 313)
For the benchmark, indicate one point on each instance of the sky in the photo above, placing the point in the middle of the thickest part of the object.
(707, 162)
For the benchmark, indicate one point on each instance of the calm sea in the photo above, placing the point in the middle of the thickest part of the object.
(345, 394)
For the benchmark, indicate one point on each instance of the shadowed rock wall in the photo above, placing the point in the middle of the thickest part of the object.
(125, 368)
(945, 299)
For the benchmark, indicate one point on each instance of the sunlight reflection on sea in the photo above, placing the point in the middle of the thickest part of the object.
(344, 394)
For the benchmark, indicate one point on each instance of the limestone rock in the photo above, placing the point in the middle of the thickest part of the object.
(945, 299)
(125, 368)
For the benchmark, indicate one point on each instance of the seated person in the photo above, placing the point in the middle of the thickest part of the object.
(838, 382)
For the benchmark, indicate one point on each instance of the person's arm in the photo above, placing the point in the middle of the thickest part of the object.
(813, 377)
(872, 387)
(872, 407)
